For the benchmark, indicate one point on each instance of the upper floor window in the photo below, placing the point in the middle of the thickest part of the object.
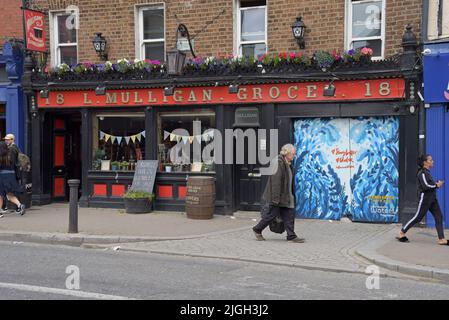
(64, 38)
(151, 33)
(252, 27)
(366, 25)
(438, 19)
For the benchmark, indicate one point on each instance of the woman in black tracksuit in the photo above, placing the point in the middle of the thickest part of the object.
(427, 200)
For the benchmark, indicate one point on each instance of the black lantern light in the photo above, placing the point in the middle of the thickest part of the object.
(299, 29)
(175, 57)
(175, 61)
(99, 44)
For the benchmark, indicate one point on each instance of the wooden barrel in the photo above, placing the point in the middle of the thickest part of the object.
(200, 198)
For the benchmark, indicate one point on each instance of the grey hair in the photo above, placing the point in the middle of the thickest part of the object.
(286, 149)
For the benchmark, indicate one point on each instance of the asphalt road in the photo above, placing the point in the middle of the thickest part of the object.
(31, 271)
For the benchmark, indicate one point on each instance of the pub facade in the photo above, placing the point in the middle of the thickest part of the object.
(352, 117)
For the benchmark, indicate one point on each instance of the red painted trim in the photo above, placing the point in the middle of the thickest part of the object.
(58, 187)
(100, 190)
(118, 190)
(165, 191)
(59, 124)
(182, 192)
(59, 160)
(263, 93)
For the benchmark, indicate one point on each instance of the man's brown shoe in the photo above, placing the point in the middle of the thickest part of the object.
(259, 236)
(297, 240)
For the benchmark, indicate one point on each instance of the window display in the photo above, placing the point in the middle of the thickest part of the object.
(118, 141)
(177, 138)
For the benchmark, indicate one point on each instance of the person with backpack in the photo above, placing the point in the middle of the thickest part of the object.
(427, 200)
(9, 187)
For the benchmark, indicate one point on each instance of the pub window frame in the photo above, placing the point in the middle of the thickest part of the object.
(349, 34)
(139, 32)
(55, 46)
(239, 42)
(96, 135)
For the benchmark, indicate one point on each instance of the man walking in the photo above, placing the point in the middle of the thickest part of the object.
(278, 195)
(14, 153)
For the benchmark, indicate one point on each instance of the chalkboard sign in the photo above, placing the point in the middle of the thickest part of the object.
(145, 175)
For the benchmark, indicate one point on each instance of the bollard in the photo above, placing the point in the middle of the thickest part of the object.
(73, 213)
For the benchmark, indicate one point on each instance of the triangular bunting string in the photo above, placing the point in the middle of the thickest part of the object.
(127, 139)
(143, 134)
(101, 135)
(106, 137)
(166, 135)
(133, 138)
(119, 140)
(139, 137)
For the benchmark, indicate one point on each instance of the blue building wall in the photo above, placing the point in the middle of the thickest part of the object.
(436, 97)
(11, 92)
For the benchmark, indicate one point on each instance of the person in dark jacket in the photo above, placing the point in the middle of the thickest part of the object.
(14, 149)
(427, 200)
(278, 195)
(9, 187)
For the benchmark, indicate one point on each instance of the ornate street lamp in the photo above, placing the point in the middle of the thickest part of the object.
(299, 29)
(99, 44)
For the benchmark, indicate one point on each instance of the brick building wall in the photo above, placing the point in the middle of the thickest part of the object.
(325, 21)
(11, 25)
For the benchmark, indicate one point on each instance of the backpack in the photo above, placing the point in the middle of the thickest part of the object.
(23, 162)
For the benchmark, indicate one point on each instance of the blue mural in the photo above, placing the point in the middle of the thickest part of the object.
(347, 167)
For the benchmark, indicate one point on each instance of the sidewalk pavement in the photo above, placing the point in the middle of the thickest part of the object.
(338, 246)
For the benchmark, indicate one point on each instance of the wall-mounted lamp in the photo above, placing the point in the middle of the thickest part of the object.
(169, 90)
(299, 29)
(100, 90)
(99, 43)
(44, 93)
(329, 90)
(234, 86)
(175, 57)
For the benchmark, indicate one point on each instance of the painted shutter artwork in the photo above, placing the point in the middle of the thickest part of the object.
(347, 167)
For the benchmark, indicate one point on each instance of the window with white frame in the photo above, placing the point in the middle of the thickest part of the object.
(438, 19)
(251, 27)
(151, 33)
(64, 38)
(366, 25)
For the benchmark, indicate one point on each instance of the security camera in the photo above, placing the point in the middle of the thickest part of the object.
(426, 52)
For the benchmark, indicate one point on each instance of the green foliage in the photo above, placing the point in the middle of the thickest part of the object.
(131, 194)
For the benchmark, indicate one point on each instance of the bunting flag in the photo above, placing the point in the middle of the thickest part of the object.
(119, 139)
(185, 139)
(190, 140)
(166, 135)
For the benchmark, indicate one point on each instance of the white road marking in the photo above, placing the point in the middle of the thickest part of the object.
(73, 293)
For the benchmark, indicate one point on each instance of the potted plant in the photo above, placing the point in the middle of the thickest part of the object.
(138, 201)
(124, 165)
(168, 167)
(115, 165)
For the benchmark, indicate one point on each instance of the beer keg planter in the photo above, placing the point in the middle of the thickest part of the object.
(200, 197)
(138, 202)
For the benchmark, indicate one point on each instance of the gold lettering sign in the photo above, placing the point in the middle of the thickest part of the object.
(136, 97)
(111, 98)
(86, 99)
(207, 95)
(192, 97)
(177, 96)
(274, 92)
(257, 93)
(125, 97)
(311, 91)
(242, 94)
(289, 92)
(60, 98)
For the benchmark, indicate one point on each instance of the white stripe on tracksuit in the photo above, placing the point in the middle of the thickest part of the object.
(425, 182)
(417, 212)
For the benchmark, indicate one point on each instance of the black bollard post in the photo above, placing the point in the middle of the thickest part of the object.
(73, 213)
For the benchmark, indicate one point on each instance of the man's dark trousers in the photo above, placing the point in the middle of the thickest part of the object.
(287, 215)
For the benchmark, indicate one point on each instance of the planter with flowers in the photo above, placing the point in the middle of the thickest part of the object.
(138, 201)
